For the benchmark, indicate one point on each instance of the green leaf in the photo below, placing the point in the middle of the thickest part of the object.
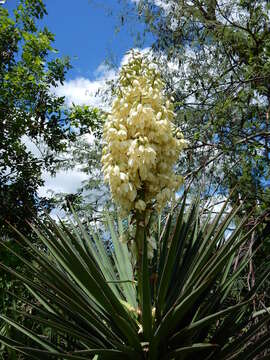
(189, 350)
(171, 253)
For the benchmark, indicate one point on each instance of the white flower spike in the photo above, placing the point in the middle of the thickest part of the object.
(140, 148)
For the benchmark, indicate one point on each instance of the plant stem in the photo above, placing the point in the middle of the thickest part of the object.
(143, 280)
(139, 241)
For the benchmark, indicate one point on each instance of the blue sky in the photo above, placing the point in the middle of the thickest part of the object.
(85, 31)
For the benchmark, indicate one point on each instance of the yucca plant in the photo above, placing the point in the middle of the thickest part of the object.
(171, 297)
(178, 306)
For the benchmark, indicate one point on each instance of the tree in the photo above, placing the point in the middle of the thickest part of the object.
(28, 110)
(29, 113)
(215, 56)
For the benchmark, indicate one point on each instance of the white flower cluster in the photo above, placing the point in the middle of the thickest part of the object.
(140, 148)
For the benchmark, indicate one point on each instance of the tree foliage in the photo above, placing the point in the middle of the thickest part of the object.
(216, 63)
(29, 112)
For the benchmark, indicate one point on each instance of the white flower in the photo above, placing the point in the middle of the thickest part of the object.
(140, 205)
(140, 148)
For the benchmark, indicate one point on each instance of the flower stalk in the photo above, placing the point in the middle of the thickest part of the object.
(141, 148)
(143, 278)
(140, 239)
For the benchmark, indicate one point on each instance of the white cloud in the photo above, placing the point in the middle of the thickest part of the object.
(77, 91)
(126, 57)
(35, 148)
(104, 72)
(83, 91)
(64, 181)
(163, 4)
(89, 138)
